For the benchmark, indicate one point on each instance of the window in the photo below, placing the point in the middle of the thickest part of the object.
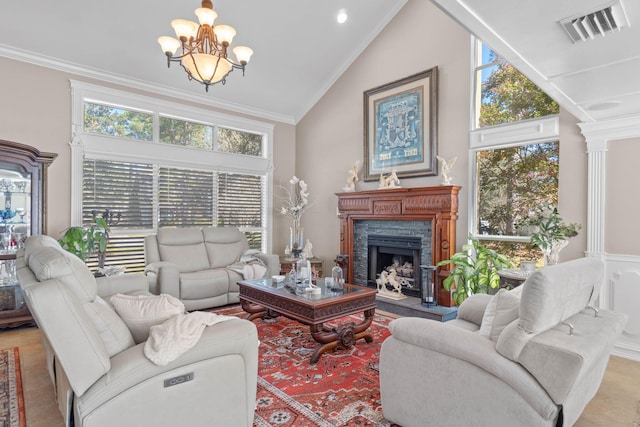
(161, 164)
(514, 154)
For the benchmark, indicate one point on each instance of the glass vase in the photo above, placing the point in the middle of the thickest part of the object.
(552, 252)
(296, 238)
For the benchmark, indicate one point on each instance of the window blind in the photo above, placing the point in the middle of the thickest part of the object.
(185, 197)
(121, 187)
(241, 204)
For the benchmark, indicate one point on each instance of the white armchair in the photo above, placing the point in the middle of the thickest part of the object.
(102, 378)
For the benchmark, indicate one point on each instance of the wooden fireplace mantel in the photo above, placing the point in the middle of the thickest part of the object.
(436, 204)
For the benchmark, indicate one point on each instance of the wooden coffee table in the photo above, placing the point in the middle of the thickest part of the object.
(265, 299)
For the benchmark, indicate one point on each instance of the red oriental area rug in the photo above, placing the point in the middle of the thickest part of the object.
(11, 399)
(342, 389)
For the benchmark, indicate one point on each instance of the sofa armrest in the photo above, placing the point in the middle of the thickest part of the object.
(272, 261)
(475, 350)
(122, 284)
(163, 278)
(224, 360)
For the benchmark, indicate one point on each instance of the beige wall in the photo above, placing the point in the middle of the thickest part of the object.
(330, 137)
(37, 111)
(327, 141)
(622, 229)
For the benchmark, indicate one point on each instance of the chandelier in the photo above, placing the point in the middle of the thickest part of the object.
(204, 47)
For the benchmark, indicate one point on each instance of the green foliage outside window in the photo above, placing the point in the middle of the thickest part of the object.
(508, 96)
(117, 122)
(512, 181)
(239, 142)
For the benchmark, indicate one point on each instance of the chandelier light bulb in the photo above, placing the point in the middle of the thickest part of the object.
(206, 16)
(169, 45)
(224, 34)
(206, 68)
(185, 28)
(243, 54)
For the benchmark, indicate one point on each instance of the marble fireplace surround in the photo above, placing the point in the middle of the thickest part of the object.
(439, 205)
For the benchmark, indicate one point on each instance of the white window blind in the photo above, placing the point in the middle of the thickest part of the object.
(185, 198)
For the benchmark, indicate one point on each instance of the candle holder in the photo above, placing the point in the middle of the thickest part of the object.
(428, 293)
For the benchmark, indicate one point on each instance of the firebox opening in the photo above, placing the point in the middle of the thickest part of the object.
(399, 253)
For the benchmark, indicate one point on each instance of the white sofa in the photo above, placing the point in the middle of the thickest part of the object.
(534, 359)
(192, 264)
(103, 378)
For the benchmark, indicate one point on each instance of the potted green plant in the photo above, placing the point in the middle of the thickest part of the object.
(475, 270)
(86, 240)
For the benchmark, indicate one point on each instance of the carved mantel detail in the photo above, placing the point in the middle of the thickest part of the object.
(436, 204)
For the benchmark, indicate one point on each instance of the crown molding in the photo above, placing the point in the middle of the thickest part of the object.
(68, 67)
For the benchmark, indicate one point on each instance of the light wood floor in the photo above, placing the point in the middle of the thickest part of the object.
(617, 403)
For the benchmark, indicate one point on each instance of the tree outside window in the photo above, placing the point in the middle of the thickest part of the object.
(517, 176)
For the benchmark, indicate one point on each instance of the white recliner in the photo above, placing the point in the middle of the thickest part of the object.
(103, 378)
(530, 360)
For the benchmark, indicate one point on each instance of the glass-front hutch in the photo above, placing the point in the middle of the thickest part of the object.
(23, 179)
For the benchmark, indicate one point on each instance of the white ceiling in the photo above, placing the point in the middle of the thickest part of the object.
(595, 80)
(300, 49)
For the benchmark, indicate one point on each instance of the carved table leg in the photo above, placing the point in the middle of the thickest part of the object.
(257, 311)
(342, 335)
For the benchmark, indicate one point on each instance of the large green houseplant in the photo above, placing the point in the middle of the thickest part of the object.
(475, 270)
(84, 241)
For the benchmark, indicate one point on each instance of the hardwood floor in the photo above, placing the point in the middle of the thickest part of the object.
(617, 403)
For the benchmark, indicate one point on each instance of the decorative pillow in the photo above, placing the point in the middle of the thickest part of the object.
(141, 312)
(503, 309)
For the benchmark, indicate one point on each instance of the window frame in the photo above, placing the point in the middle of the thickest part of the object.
(506, 135)
(101, 147)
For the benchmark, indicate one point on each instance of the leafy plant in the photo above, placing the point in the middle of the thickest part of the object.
(548, 227)
(475, 270)
(86, 240)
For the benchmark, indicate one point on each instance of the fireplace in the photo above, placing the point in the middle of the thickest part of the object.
(400, 254)
(428, 213)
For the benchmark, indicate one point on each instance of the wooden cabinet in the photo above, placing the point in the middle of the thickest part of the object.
(23, 210)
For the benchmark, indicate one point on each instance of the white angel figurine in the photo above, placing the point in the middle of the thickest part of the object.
(446, 168)
(352, 177)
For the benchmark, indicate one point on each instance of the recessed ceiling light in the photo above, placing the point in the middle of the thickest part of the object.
(342, 16)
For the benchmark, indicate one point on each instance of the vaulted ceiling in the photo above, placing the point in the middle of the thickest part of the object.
(300, 49)
(596, 79)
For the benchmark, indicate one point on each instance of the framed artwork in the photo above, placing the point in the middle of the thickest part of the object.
(401, 127)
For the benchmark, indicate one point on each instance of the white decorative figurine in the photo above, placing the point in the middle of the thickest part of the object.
(389, 181)
(446, 168)
(307, 252)
(352, 178)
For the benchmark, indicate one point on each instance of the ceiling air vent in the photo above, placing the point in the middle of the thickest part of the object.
(606, 20)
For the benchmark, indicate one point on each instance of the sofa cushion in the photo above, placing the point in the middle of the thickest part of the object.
(204, 284)
(51, 262)
(501, 310)
(553, 294)
(113, 331)
(141, 312)
(184, 247)
(550, 296)
(224, 245)
(472, 309)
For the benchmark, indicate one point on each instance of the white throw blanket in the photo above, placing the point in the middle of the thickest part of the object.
(249, 266)
(169, 340)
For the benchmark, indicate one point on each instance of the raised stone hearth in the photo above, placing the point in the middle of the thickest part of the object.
(411, 307)
(429, 213)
